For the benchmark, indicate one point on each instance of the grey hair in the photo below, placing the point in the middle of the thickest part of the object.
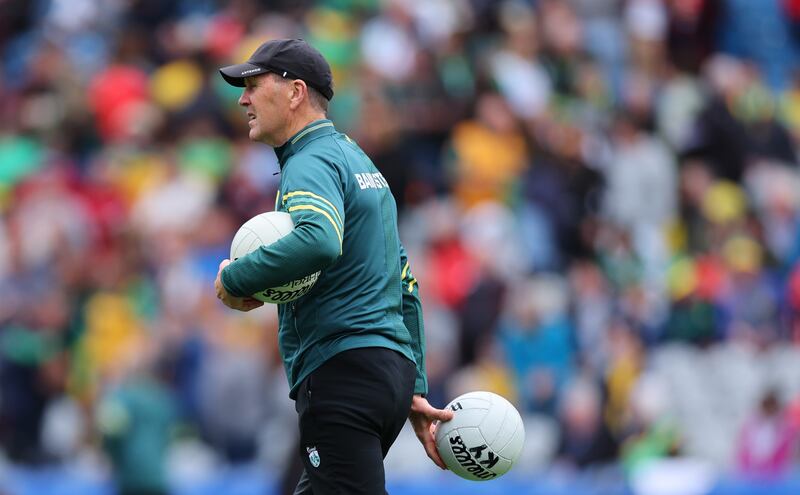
(318, 101)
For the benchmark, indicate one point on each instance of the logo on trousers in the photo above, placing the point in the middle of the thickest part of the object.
(313, 456)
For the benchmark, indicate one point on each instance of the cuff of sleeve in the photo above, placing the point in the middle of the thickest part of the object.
(421, 386)
(225, 279)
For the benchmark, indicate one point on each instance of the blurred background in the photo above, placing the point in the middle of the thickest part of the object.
(600, 199)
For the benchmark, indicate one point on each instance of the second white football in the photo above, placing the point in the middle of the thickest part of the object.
(484, 438)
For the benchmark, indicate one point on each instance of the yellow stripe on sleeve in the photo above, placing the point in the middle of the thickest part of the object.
(405, 270)
(323, 212)
(411, 285)
(315, 196)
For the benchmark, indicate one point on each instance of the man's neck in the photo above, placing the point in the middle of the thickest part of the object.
(299, 123)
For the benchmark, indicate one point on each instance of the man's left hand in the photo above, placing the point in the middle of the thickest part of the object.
(423, 417)
(233, 302)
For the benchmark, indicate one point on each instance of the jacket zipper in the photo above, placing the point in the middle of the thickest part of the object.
(294, 320)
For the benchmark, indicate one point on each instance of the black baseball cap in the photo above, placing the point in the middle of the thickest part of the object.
(293, 58)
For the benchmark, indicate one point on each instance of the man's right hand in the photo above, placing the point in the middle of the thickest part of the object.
(233, 302)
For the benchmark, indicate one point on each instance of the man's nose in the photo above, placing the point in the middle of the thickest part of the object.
(244, 100)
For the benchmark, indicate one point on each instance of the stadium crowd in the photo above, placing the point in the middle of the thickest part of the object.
(600, 200)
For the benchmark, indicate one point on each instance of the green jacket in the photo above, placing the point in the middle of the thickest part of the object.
(346, 226)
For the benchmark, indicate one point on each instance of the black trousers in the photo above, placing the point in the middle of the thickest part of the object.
(351, 410)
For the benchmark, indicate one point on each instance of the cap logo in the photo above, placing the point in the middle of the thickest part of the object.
(250, 71)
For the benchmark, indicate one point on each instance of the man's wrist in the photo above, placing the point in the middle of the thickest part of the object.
(222, 276)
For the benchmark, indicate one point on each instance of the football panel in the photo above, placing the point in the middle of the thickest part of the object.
(443, 429)
(473, 438)
(455, 455)
(245, 241)
(265, 227)
(255, 243)
(475, 459)
(511, 435)
(476, 395)
(502, 466)
(493, 421)
(513, 448)
(468, 417)
(280, 221)
(461, 418)
(450, 449)
(469, 402)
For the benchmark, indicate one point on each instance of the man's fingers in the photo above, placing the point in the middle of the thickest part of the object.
(432, 413)
(248, 303)
(433, 453)
(240, 303)
(441, 414)
(444, 414)
(428, 440)
(252, 304)
(224, 263)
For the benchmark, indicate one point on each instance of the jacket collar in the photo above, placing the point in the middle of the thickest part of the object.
(322, 127)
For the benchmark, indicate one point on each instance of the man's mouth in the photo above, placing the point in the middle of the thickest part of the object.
(251, 116)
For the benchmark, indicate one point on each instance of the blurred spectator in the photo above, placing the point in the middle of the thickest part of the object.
(231, 373)
(649, 433)
(591, 310)
(622, 374)
(694, 286)
(538, 341)
(585, 439)
(737, 126)
(767, 441)
(691, 32)
(748, 299)
(640, 195)
(563, 186)
(489, 153)
(32, 374)
(520, 77)
(136, 418)
(793, 298)
(764, 27)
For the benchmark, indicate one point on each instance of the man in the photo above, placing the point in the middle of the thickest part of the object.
(353, 347)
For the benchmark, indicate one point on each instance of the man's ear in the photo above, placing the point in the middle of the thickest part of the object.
(299, 93)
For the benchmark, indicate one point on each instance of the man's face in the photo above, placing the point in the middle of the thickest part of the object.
(266, 99)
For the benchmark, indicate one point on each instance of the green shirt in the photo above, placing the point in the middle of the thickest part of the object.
(345, 221)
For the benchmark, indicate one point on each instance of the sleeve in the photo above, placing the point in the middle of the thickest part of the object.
(313, 194)
(412, 318)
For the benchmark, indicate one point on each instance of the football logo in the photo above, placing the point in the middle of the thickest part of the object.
(313, 456)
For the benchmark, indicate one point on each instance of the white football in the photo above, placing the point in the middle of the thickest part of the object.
(262, 230)
(484, 438)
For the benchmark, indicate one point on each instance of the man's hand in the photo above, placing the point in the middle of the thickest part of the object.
(240, 303)
(422, 418)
